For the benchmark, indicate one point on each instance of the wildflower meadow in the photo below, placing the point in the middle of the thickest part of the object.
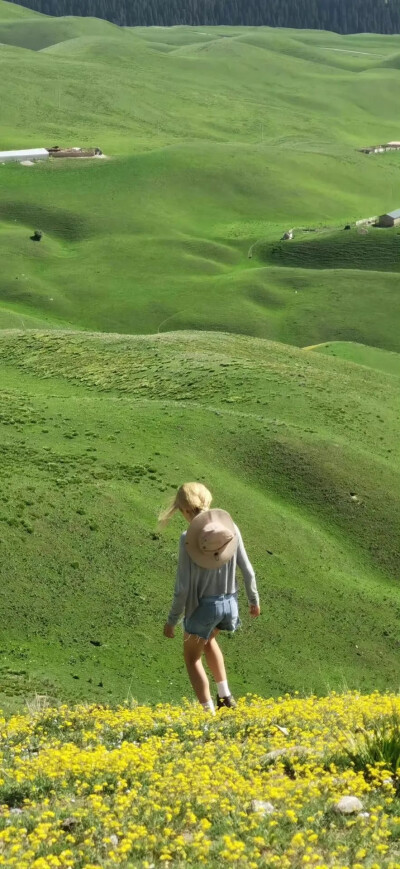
(260, 786)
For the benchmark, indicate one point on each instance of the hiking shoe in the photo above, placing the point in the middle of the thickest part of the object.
(229, 702)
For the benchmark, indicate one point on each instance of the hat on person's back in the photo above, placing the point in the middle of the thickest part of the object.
(211, 539)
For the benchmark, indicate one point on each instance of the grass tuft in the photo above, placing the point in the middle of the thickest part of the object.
(378, 745)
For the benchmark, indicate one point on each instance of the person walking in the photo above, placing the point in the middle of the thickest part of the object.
(206, 588)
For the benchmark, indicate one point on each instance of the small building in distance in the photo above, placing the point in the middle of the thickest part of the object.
(74, 152)
(392, 218)
(374, 149)
(380, 149)
(32, 154)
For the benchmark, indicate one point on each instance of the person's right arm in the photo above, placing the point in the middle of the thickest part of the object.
(181, 589)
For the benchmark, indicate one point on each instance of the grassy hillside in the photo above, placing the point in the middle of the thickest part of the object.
(39, 33)
(94, 786)
(219, 139)
(96, 433)
(376, 250)
(10, 12)
(372, 357)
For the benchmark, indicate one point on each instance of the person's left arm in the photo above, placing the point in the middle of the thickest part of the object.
(249, 578)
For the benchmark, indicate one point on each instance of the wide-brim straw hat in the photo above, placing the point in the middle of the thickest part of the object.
(211, 539)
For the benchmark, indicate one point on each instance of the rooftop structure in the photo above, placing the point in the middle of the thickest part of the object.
(392, 218)
(19, 156)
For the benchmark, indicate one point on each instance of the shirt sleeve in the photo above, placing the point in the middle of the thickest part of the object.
(247, 571)
(181, 584)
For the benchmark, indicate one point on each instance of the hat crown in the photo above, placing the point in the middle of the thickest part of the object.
(211, 539)
(214, 537)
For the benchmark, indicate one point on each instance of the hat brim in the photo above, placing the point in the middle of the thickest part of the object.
(208, 560)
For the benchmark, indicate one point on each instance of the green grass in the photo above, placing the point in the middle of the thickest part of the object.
(42, 32)
(97, 431)
(377, 745)
(220, 139)
(10, 11)
(374, 249)
(372, 357)
(119, 269)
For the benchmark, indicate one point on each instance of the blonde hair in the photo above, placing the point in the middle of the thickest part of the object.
(190, 496)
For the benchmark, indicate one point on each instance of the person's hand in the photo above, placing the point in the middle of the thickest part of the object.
(254, 610)
(169, 631)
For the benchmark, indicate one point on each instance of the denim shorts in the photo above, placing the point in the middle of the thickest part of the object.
(218, 611)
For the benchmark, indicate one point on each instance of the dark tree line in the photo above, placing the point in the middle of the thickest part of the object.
(343, 16)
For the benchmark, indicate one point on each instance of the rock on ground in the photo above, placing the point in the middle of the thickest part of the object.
(348, 805)
(265, 808)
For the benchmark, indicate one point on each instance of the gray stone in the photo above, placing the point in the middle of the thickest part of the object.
(348, 806)
(275, 753)
(264, 808)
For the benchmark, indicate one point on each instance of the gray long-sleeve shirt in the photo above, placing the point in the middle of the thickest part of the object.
(194, 582)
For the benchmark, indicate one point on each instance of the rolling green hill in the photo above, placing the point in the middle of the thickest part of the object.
(219, 139)
(10, 12)
(39, 33)
(372, 357)
(96, 433)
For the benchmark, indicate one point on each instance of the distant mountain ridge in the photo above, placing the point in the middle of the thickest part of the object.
(342, 16)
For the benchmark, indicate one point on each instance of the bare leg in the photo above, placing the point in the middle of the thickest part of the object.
(193, 648)
(215, 658)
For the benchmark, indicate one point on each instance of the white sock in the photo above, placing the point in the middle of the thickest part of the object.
(223, 689)
(209, 707)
